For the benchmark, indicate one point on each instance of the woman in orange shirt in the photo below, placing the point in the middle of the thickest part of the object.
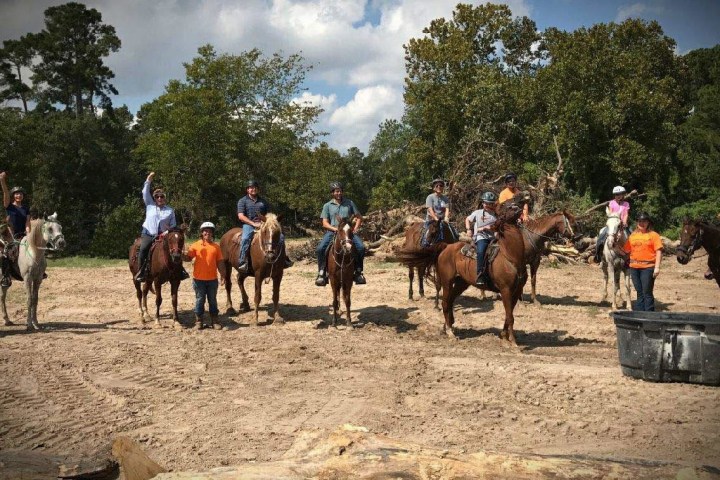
(645, 249)
(208, 259)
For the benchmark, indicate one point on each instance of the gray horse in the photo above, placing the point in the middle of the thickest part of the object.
(613, 261)
(44, 235)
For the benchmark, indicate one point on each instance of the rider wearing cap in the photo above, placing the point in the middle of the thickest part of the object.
(617, 206)
(208, 260)
(159, 218)
(509, 192)
(250, 210)
(645, 249)
(483, 220)
(438, 204)
(18, 217)
(343, 208)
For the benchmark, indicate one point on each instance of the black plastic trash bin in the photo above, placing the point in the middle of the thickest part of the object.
(669, 346)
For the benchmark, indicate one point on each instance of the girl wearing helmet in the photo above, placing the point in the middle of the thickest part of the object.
(208, 260)
(483, 219)
(617, 206)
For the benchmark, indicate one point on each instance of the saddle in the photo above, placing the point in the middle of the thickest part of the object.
(468, 250)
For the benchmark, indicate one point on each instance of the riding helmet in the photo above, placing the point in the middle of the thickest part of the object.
(510, 176)
(489, 197)
(209, 225)
(644, 216)
(618, 190)
(252, 183)
(335, 186)
(438, 180)
(17, 190)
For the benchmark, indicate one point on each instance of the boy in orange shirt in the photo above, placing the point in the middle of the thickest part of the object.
(208, 259)
(645, 249)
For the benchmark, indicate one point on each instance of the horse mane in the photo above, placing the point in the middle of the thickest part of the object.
(35, 237)
(271, 221)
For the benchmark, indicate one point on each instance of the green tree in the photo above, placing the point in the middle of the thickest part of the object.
(71, 47)
(14, 56)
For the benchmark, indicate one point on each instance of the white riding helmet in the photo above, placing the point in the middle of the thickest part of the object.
(618, 190)
(207, 225)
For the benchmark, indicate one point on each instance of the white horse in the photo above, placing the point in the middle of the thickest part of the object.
(44, 235)
(613, 261)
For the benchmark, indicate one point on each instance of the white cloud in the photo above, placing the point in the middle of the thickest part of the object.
(636, 10)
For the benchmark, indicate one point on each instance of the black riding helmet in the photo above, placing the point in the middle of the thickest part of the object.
(510, 176)
(252, 183)
(436, 181)
(644, 216)
(335, 186)
(17, 190)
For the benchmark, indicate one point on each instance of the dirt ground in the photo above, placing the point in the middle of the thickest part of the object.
(201, 399)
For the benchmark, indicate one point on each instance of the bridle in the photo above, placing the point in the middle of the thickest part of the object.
(269, 246)
(345, 252)
(694, 245)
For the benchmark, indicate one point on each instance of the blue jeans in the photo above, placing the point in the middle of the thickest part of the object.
(205, 289)
(481, 246)
(325, 243)
(248, 232)
(644, 282)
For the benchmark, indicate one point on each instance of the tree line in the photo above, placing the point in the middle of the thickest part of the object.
(482, 88)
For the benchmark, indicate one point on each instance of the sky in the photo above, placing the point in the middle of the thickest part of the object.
(355, 47)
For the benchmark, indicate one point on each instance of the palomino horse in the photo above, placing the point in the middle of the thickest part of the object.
(436, 232)
(44, 235)
(266, 258)
(536, 233)
(506, 271)
(613, 261)
(165, 266)
(341, 268)
(696, 234)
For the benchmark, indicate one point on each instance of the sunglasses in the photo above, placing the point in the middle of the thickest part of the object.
(160, 196)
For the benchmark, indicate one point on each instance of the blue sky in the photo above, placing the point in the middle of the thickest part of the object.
(354, 46)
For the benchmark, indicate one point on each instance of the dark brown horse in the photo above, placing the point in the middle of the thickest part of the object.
(165, 266)
(436, 232)
(536, 233)
(696, 234)
(341, 268)
(267, 259)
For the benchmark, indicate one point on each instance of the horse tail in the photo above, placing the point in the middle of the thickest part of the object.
(420, 258)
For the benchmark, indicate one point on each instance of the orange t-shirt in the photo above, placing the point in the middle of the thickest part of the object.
(642, 248)
(206, 255)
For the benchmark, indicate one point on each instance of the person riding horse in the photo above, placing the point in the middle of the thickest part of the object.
(159, 218)
(483, 220)
(510, 190)
(18, 217)
(339, 207)
(617, 206)
(250, 210)
(438, 208)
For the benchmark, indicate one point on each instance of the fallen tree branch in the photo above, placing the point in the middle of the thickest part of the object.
(633, 193)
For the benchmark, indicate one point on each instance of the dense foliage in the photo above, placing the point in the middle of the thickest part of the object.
(484, 92)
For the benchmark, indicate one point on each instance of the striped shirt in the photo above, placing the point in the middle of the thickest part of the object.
(252, 209)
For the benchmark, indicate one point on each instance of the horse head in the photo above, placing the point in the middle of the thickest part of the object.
(615, 234)
(568, 225)
(270, 231)
(52, 233)
(510, 211)
(344, 236)
(690, 240)
(175, 242)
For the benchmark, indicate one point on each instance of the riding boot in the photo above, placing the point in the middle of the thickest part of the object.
(184, 275)
(480, 281)
(199, 321)
(5, 282)
(288, 263)
(321, 279)
(141, 274)
(214, 322)
(359, 278)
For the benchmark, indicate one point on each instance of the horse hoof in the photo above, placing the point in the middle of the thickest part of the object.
(230, 311)
(8, 323)
(278, 321)
(217, 326)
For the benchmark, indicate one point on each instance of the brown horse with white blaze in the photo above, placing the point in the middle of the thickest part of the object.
(696, 234)
(166, 265)
(267, 259)
(341, 268)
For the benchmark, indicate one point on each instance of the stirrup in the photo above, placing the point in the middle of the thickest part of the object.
(184, 275)
(5, 282)
(321, 280)
(243, 267)
(359, 278)
(288, 263)
(480, 281)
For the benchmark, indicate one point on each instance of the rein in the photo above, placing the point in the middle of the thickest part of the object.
(342, 253)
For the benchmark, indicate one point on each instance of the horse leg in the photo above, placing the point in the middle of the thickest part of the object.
(346, 297)
(336, 302)
(276, 301)
(628, 298)
(450, 293)
(421, 283)
(411, 276)
(258, 297)
(174, 286)
(604, 265)
(138, 292)
(245, 305)
(229, 310)
(158, 302)
(509, 301)
(533, 277)
(144, 307)
(4, 307)
(616, 285)
(28, 291)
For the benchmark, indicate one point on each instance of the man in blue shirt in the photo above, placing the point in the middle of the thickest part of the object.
(250, 210)
(344, 208)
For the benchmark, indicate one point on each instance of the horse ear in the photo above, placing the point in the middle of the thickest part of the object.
(279, 217)
(183, 227)
(53, 217)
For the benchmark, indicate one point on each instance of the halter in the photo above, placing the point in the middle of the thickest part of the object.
(566, 227)
(343, 252)
(267, 246)
(694, 245)
(51, 241)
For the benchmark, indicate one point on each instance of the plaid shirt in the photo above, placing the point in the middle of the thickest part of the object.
(253, 208)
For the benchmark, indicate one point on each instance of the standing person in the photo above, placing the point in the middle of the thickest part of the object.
(645, 249)
(617, 206)
(208, 260)
(18, 217)
(343, 208)
(159, 218)
(509, 192)
(483, 220)
(250, 210)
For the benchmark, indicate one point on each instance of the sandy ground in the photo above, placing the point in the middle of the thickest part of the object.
(199, 399)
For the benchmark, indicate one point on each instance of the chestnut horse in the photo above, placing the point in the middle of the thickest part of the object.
(165, 266)
(437, 232)
(696, 234)
(267, 260)
(536, 233)
(507, 272)
(341, 268)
